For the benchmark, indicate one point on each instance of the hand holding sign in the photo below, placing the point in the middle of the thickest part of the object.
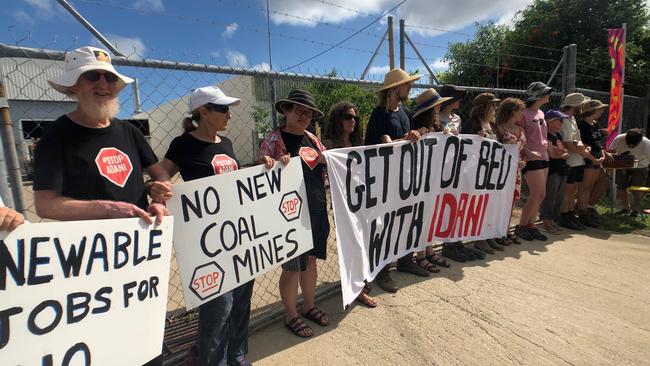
(10, 219)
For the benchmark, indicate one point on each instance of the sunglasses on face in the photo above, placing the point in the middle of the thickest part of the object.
(218, 108)
(349, 116)
(95, 75)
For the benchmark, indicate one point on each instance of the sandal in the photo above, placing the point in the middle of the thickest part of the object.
(438, 260)
(366, 300)
(317, 315)
(297, 327)
(424, 263)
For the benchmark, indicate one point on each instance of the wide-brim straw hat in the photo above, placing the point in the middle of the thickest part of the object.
(81, 60)
(397, 77)
(427, 100)
(537, 90)
(485, 98)
(574, 100)
(593, 105)
(302, 98)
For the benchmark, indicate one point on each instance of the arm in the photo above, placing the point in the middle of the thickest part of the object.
(51, 205)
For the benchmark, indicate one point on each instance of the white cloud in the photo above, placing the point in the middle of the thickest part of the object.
(379, 70)
(439, 65)
(236, 58)
(215, 54)
(149, 5)
(44, 5)
(23, 17)
(131, 47)
(262, 67)
(230, 30)
(443, 14)
(42, 9)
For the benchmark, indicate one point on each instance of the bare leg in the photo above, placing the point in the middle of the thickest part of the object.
(308, 283)
(600, 188)
(289, 292)
(536, 181)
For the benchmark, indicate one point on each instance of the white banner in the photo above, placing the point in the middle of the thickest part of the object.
(231, 228)
(84, 292)
(393, 199)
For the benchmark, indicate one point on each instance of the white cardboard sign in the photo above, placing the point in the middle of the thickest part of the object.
(84, 292)
(231, 228)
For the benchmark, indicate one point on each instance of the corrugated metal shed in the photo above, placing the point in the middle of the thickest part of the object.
(27, 79)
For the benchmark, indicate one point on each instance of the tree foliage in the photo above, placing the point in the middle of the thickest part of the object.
(537, 37)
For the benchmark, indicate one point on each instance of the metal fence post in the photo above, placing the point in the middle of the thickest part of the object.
(9, 149)
(571, 68)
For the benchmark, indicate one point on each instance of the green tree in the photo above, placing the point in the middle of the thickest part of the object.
(547, 26)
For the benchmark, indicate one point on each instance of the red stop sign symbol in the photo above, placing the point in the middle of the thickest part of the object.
(309, 156)
(222, 163)
(207, 280)
(114, 165)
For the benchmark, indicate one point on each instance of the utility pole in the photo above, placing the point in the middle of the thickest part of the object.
(402, 57)
(391, 51)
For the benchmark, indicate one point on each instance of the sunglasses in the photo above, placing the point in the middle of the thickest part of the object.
(95, 75)
(348, 116)
(218, 108)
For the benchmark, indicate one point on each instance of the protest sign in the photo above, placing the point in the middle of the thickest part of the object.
(231, 228)
(393, 199)
(82, 293)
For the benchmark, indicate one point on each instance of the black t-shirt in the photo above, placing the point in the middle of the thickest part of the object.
(591, 136)
(312, 171)
(198, 159)
(556, 166)
(93, 163)
(395, 124)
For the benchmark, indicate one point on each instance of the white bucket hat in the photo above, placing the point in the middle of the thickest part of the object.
(209, 94)
(81, 60)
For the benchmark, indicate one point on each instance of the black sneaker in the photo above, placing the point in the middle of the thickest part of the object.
(523, 233)
(623, 212)
(482, 245)
(573, 217)
(450, 250)
(565, 221)
(494, 244)
(471, 256)
(477, 253)
(537, 235)
(586, 220)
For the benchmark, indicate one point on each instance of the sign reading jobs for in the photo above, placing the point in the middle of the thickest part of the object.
(393, 199)
(85, 292)
(231, 228)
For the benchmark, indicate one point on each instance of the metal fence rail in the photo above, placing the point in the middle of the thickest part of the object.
(157, 103)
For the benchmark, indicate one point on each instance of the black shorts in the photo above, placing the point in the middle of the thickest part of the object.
(320, 231)
(590, 165)
(534, 165)
(576, 174)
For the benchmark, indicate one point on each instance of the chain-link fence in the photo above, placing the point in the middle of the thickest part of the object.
(156, 104)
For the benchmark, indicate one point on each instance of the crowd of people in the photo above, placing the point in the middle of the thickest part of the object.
(562, 155)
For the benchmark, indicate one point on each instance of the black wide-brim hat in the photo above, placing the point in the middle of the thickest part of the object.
(453, 91)
(302, 98)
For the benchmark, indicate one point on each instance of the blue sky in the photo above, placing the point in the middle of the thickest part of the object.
(233, 32)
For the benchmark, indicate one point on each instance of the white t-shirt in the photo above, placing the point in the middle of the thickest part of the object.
(570, 132)
(641, 152)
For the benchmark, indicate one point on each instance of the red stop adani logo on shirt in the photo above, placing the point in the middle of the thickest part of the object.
(207, 280)
(309, 156)
(222, 163)
(114, 165)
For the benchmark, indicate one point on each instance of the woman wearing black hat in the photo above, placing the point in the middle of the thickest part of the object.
(293, 140)
(451, 122)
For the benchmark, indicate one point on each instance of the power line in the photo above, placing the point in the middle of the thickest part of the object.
(347, 38)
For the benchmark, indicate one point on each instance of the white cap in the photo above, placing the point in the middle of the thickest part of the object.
(81, 60)
(210, 94)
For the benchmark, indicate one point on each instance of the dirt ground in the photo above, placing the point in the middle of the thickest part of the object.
(576, 300)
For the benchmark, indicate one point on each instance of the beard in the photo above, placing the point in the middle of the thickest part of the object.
(99, 110)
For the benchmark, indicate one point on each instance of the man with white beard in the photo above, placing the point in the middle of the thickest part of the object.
(88, 165)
